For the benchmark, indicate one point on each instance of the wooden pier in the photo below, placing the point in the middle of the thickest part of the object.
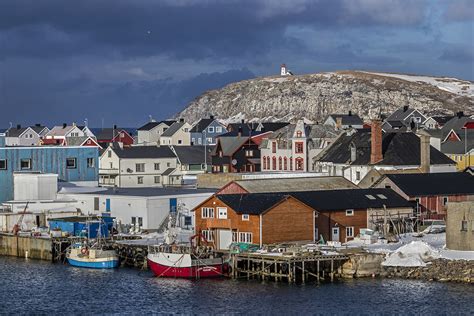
(292, 268)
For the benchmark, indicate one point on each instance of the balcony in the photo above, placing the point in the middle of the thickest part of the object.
(109, 171)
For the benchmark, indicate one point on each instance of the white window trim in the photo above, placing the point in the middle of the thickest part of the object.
(350, 212)
(245, 237)
(352, 231)
(207, 212)
(245, 217)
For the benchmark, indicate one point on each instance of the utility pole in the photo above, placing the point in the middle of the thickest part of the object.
(205, 151)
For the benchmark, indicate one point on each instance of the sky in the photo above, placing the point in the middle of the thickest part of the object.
(120, 61)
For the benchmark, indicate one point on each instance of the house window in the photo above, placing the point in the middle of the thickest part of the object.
(299, 163)
(464, 226)
(193, 140)
(274, 163)
(220, 153)
(3, 164)
(180, 141)
(134, 221)
(122, 135)
(285, 163)
(157, 179)
(207, 212)
(264, 160)
(245, 217)
(96, 204)
(25, 164)
(90, 163)
(109, 154)
(140, 222)
(350, 212)
(111, 165)
(350, 231)
(210, 129)
(280, 165)
(140, 167)
(218, 129)
(168, 164)
(222, 212)
(157, 166)
(209, 140)
(357, 175)
(445, 200)
(299, 134)
(235, 236)
(199, 141)
(274, 147)
(291, 163)
(207, 234)
(249, 153)
(140, 180)
(299, 147)
(245, 237)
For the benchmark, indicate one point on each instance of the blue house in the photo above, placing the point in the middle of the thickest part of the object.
(78, 165)
(206, 131)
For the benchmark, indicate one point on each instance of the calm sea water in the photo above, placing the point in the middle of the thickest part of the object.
(40, 288)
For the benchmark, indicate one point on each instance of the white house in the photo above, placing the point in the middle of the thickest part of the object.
(25, 136)
(293, 147)
(144, 208)
(150, 133)
(139, 166)
(64, 131)
(178, 134)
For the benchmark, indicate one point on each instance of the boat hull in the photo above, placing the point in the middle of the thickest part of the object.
(179, 268)
(103, 264)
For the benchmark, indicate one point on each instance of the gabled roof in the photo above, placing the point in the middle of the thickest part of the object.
(193, 155)
(441, 120)
(108, 133)
(201, 125)
(38, 128)
(272, 185)
(151, 125)
(398, 149)
(144, 152)
(351, 199)
(348, 119)
(60, 130)
(401, 114)
(456, 123)
(230, 145)
(254, 204)
(459, 147)
(16, 132)
(424, 184)
(311, 131)
(173, 129)
(79, 141)
(253, 128)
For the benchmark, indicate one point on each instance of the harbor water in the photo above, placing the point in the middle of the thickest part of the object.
(42, 288)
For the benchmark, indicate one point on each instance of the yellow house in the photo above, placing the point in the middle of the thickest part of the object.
(459, 146)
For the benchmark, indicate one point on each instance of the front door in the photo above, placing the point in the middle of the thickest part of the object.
(335, 234)
(225, 238)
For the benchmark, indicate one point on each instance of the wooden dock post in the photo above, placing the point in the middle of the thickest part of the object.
(317, 269)
(332, 270)
(302, 272)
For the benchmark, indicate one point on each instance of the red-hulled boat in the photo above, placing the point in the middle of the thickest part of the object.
(185, 262)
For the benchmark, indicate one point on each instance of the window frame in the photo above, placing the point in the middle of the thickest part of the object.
(157, 177)
(5, 163)
(207, 212)
(29, 161)
(137, 165)
(350, 212)
(245, 217)
(90, 162)
(74, 166)
(351, 229)
(140, 180)
(245, 237)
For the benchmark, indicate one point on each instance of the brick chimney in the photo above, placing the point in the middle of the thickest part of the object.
(424, 151)
(338, 123)
(376, 141)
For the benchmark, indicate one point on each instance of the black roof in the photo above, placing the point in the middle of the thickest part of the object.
(107, 133)
(423, 184)
(201, 125)
(401, 149)
(326, 200)
(193, 155)
(252, 203)
(332, 200)
(348, 119)
(144, 152)
(252, 128)
(150, 125)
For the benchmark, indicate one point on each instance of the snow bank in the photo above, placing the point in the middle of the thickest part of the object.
(414, 254)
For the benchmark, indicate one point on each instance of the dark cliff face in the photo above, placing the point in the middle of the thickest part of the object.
(317, 95)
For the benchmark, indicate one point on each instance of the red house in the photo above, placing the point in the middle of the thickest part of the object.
(114, 135)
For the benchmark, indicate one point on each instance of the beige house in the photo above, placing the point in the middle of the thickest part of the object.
(150, 133)
(178, 134)
(460, 226)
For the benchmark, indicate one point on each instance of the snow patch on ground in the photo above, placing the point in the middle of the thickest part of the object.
(453, 85)
(414, 254)
(277, 80)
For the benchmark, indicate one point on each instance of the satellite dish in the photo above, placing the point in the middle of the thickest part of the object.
(234, 162)
(129, 170)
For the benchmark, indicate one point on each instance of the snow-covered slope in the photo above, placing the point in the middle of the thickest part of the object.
(453, 85)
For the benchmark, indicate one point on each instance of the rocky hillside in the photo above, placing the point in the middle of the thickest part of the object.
(315, 96)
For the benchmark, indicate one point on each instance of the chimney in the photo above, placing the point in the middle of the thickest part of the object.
(115, 126)
(38, 125)
(240, 131)
(181, 120)
(73, 123)
(338, 123)
(376, 141)
(18, 126)
(405, 108)
(64, 125)
(242, 121)
(424, 151)
(460, 114)
(350, 113)
(211, 117)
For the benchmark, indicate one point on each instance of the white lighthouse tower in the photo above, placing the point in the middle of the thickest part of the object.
(283, 70)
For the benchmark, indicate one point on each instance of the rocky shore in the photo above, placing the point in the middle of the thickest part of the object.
(441, 270)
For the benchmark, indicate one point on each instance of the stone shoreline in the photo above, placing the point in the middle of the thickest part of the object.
(442, 270)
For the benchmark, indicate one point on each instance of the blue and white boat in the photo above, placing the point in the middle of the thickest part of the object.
(80, 255)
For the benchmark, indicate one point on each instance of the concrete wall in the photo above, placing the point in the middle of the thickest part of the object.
(456, 237)
(38, 248)
(34, 186)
